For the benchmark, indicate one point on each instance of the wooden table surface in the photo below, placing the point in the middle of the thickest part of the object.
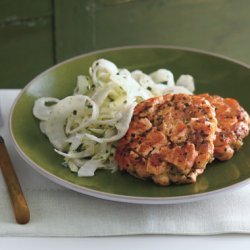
(34, 35)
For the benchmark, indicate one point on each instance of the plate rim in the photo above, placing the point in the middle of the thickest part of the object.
(107, 195)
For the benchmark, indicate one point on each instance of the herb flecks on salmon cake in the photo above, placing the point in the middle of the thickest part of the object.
(170, 139)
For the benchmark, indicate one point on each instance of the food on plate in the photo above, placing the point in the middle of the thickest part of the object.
(145, 124)
(84, 128)
(233, 126)
(169, 140)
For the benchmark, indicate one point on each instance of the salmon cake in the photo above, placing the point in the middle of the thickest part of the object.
(170, 139)
(233, 126)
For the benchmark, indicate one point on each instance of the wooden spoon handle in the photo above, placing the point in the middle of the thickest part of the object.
(19, 203)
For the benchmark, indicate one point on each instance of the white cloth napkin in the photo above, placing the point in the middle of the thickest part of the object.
(56, 211)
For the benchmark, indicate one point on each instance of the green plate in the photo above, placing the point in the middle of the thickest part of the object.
(214, 74)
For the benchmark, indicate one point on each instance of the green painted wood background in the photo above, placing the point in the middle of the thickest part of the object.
(35, 34)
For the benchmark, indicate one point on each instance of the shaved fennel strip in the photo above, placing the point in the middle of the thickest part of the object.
(41, 110)
(85, 122)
